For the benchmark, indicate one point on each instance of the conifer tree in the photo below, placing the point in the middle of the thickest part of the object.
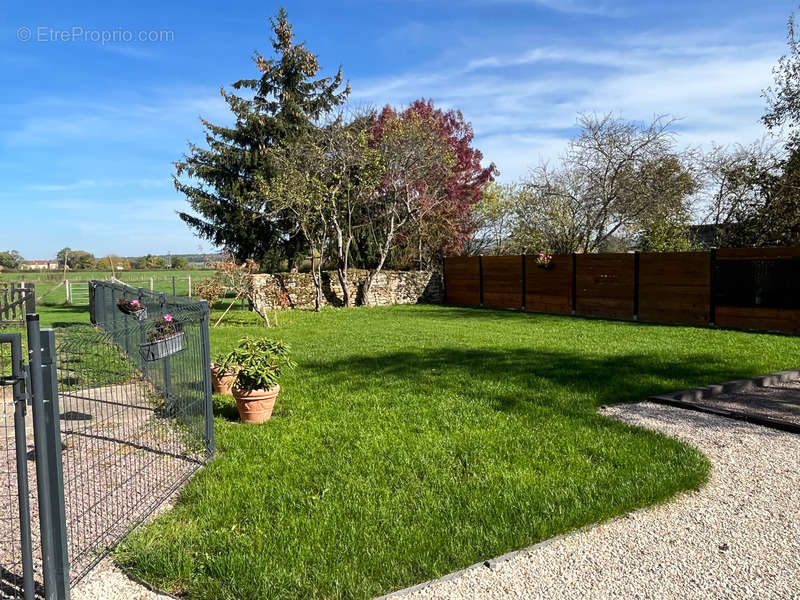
(224, 182)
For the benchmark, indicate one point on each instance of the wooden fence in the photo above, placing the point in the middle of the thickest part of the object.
(15, 303)
(741, 288)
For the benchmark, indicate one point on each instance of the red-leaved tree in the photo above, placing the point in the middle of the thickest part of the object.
(445, 182)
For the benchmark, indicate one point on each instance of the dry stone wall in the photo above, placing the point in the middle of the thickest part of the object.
(389, 287)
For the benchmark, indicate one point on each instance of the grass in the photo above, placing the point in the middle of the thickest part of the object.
(45, 282)
(413, 441)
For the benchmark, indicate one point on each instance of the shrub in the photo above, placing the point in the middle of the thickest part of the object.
(258, 363)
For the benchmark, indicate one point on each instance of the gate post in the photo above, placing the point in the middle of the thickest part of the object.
(53, 422)
(47, 449)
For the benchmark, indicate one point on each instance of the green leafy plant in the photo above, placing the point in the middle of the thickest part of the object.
(258, 363)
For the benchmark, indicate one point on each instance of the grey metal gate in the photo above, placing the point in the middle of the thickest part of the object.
(16, 552)
(43, 556)
(111, 431)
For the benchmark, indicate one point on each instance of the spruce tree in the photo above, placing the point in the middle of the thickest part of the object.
(224, 181)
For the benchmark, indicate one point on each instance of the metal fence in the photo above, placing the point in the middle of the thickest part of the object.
(116, 428)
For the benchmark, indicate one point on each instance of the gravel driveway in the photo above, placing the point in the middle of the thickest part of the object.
(739, 537)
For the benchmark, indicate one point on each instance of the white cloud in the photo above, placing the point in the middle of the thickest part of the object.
(523, 105)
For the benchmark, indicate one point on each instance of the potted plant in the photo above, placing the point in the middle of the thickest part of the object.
(164, 339)
(222, 379)
(544, 260)
(134, 308)
(258, 365)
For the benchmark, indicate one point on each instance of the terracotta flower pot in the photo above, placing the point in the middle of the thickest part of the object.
(255, 406)
(221, 382)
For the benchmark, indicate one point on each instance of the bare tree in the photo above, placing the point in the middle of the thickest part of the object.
(493, 221)
(739, 184)
(615, 176)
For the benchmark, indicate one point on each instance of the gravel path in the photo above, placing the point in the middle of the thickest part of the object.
(107, 582)
(739, 537)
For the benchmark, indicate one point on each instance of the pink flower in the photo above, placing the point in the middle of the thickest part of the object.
(168, 318)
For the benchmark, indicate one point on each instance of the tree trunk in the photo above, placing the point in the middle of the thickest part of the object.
(341, 271)
(316, 276)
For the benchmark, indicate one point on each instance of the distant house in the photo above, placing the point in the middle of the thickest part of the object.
(39, 265)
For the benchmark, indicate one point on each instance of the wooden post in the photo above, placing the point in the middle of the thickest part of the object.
(636, 286)
(66, 289)
(712, 307)
(524, 280)
(189, 277)
(480, 278)
(151, 284)
(574, 283)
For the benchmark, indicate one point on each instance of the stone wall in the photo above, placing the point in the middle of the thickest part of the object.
(389, 287)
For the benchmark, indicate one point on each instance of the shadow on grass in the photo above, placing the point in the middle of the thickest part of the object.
(225, 407)
(515, 379)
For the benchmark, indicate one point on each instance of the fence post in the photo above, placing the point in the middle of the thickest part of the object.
(151, 284)
(524, 280)
(162, 298)
(205, 341)
(636, 286)
(173, 286)
(66, 290)
(712, 284)
(480, 277)
(30, 298)
(574, 283)
(189, 277)
(142, 336)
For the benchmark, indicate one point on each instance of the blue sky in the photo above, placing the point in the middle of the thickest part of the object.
(89, 130)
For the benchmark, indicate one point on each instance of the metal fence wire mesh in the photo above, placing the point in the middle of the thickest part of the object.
(133, 427)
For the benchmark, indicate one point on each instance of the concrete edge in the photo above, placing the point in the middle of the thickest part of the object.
(737, 385)
(493, 563)
(686, 399)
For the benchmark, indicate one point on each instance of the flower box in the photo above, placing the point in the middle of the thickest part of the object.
(158, 349)
(133, 308)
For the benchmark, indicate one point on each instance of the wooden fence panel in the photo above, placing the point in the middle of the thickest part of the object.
(764, 319)
(15, 303)
(549, 290)
(462, 280)
(771, 318)
(502, 281)
(675, 288)
(672, 288)
(605, 285)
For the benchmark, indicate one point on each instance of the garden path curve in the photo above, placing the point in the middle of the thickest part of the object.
(738, 537)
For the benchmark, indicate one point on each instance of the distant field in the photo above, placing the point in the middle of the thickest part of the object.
(162, 281)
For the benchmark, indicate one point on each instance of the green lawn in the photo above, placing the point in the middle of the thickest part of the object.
(413, 441)
(47, 283)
